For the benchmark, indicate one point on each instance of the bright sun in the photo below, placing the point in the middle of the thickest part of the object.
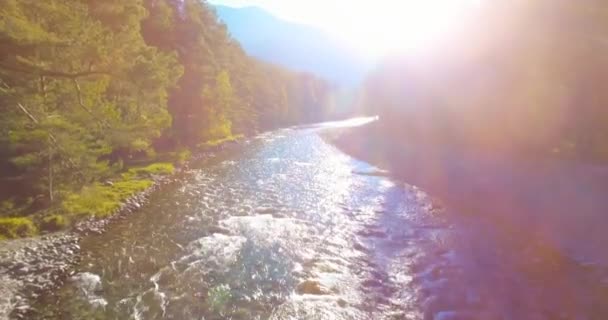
(382, 27)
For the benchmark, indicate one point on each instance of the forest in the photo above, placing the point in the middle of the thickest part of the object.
(524, 80)
(98, 96)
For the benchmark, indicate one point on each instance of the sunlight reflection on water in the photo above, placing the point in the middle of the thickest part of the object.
(294, 229)
(353, 122)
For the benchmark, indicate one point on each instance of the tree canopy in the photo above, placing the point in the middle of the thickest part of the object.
(86, 86)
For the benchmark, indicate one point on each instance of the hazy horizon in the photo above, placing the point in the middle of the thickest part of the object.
(371, 29)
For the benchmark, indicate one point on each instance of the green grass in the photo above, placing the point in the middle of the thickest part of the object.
(179, 156)
(98, 200)
(217, 142)
(183, 156)
(102, 200)
(54, 222)
(17, 227)
(162, 168)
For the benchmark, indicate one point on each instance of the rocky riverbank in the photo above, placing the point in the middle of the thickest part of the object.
(30, 266)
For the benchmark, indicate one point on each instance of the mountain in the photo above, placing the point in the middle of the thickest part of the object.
(296, 46)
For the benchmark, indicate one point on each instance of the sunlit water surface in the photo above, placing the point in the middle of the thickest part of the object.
(288, 227)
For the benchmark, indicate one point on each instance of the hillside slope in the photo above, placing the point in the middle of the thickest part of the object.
(297, 46)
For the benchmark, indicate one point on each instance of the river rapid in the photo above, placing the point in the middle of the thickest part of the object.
(285, 226)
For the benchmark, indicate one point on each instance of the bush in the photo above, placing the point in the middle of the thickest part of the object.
(17, 227)
(7, 207)
(54, 222)
(96, 200)
(15, 207)
(183, 156)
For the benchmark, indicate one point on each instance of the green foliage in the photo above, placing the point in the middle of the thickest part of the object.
(87, 86)
(11, 207)
(102, 200)
(54, 222)
(7, 207)
(79, 83)
(221, 100)
(153, 169)
(17, 227)
(217, 142)
(183, 156)
(219, 297)
(178, 156)
(223, 91)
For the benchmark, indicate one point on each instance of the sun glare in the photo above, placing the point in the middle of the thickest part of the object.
(376, 28)
(383, 27)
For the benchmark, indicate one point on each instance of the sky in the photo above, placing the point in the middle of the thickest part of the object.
(374, 28)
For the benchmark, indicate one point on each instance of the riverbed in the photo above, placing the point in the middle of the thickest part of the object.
(286, 226)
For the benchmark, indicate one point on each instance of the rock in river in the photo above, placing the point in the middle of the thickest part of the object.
(312, 287)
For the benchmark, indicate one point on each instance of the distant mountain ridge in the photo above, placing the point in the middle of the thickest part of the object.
(296, 46)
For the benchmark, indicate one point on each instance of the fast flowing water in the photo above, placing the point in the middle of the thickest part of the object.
(288, 227)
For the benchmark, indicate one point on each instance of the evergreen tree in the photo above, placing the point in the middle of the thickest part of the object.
(87, 86)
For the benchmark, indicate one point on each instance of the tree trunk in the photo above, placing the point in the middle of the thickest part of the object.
(50, 171)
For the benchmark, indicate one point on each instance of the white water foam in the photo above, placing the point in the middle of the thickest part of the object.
(90, 285)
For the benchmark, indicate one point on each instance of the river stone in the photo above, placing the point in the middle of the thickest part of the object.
(360, 247)
(372, 283)
(23, 270)
(373, 233)
(220, 230)
(311, 287)
(18, 265)
(23, 307)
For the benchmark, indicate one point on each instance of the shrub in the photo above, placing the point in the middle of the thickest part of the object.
(15, 207)
(54, 222)
(17, 227)
(7, 207)
(183, 156)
